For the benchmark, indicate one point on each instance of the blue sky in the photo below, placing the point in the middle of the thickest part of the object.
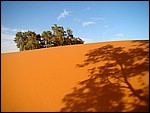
(92, 21)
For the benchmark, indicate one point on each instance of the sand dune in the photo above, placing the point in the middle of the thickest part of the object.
(104, 76)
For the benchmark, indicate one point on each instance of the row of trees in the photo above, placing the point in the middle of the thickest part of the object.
(30, 40)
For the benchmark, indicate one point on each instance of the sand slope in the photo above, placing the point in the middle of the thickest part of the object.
(106, 76)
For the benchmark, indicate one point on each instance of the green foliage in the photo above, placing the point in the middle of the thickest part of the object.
(26, 40)
(30, 40)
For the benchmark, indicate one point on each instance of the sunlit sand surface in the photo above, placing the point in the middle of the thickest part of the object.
(104, 76)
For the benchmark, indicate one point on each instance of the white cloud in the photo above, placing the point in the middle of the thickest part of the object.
(14, 30)
(8, 30)
(7, 43)
(7, 39)
(119, 35)
(63, 14)
(5, 29)
(9, 46)
(87, 23)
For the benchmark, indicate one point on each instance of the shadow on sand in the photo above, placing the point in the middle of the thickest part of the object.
(108, 86)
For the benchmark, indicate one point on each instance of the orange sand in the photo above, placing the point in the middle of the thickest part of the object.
(38, 80)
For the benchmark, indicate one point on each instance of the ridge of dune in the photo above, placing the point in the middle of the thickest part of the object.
(93, 43)
(49, 79)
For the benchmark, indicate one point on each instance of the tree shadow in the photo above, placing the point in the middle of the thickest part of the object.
(108, 87)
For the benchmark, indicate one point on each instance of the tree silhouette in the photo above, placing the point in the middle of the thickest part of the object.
(108, 87)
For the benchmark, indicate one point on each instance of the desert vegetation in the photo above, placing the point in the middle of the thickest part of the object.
(59, 37)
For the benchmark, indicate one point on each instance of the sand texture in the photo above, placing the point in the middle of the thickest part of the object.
(104, 76)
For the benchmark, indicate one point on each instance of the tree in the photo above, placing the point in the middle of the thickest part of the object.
(19, 40)
(27, 40)
(69, 33)
(58, 33)
(30, 40)
(79, 41)
(47, 36)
